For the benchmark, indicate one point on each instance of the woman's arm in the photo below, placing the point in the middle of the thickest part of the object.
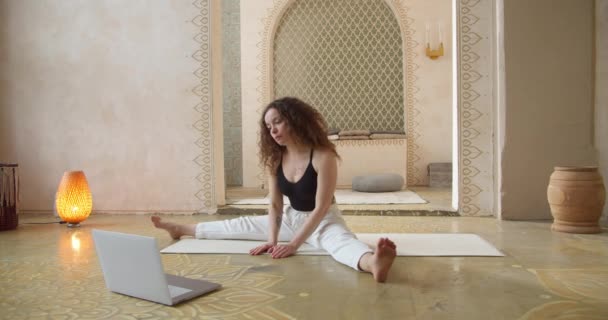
(327, 174)
(275, 209)
(275, 216)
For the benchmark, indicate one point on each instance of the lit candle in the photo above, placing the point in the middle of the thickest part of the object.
(440, 35)
(426, 35)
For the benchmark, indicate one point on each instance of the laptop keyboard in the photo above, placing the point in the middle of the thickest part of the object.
(176, 291)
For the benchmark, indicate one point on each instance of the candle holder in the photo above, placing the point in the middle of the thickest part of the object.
(434, 54)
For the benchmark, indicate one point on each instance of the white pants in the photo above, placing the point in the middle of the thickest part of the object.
(332, 234)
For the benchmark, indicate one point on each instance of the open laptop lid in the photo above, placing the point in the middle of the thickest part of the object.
(131, 265)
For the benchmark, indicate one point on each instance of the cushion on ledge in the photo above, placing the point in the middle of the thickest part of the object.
(354, 133)
(388, 131)
(384, 182)
(353, 137)
(378, 136)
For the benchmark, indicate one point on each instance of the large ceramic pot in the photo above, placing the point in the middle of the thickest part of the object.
(576, 196)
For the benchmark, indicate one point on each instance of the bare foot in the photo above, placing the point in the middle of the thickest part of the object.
(173, 228)
(382, 259)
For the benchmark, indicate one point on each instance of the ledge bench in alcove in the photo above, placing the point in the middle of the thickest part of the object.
(365, 157)
(382, 182)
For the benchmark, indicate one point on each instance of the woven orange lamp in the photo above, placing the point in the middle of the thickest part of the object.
(73, 200)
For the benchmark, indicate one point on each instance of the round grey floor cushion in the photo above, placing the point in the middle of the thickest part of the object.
(384, 182)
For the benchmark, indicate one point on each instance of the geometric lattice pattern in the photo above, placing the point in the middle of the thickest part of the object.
(344, 57)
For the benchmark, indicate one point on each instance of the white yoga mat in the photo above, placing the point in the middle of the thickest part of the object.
(408, 244)
(347, 196)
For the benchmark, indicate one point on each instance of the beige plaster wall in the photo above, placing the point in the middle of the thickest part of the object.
(370, 157)
(115, 80)
(433, 104)
(549, 99)
(105, 87)
(601, 94)
(432, 84)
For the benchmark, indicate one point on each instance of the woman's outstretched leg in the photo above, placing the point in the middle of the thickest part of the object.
(379, 262)
(175, 230)
(241, 228)
(343, 245)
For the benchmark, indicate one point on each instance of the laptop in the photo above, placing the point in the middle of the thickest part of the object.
(131, 265)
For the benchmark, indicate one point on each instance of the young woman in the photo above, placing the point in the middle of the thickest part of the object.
(302, 165)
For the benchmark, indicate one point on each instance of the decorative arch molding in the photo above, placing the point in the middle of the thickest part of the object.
(409, 45)
(204, 123)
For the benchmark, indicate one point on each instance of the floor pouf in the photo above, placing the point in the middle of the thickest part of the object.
(385, 182)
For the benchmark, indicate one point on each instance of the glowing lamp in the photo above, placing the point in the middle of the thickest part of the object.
(73, 200)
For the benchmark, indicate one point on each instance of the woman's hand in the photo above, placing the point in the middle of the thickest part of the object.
(283, 251)
(266, 247)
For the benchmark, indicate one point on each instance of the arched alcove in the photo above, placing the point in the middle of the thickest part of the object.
(394, 8)
(345, 58)
(469, 74)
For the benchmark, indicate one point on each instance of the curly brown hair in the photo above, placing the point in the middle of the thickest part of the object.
(307, 126)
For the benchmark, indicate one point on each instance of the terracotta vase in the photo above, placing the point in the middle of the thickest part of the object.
(576, 196)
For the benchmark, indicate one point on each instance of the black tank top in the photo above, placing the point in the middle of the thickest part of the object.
(302, 193)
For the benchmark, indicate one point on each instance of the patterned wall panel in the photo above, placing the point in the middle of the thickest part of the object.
(204, 124)
(475, 107)
(344, 57)
(231, 40)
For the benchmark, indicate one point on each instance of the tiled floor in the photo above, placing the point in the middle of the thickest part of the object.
(50, 271)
